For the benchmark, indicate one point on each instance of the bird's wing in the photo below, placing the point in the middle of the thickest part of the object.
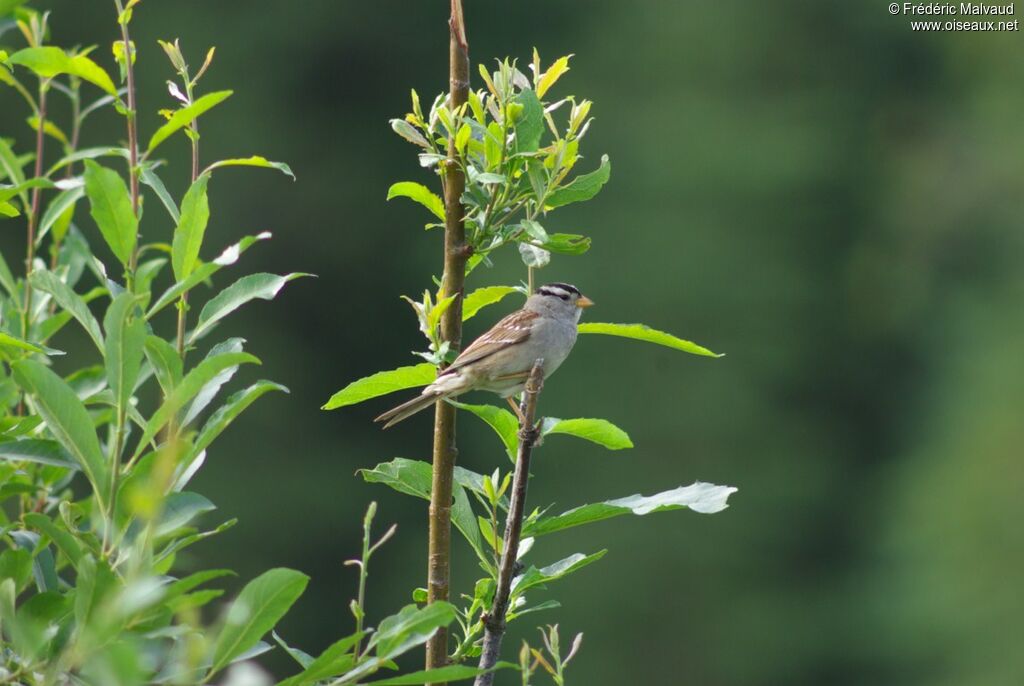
(512, 330)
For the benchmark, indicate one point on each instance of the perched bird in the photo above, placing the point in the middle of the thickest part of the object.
(500, 360)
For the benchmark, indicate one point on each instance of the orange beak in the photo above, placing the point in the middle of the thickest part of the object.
(584, 302)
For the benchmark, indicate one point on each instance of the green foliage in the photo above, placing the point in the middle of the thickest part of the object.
(642, 332)
(518, 153)
(92, 522)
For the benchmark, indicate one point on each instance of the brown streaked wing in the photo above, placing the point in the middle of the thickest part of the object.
(512, 330)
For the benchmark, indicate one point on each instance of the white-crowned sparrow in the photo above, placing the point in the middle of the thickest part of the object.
(501, 359)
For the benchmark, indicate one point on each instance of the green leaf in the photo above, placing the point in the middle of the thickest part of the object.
(188, 235)
(49, 128)
(439, 675)
(180, 509)
(111, 208)
(40, 451)
(254, 161)
(567, 243)
(186, 584)
(335, 660)
(63, 539)
(409, 627)
(193, 382)
(642, 332)
(8, 210)
(50, 61)
(535, 577)
(560, 66)
(9, 341)
(382, 383)
(482, 297)
(16, 565)
(226, 413)
(68, 421)
(504, 423)
(166, 363)
(84, 68)
(419, 193)
(413, 477)
(583, 187)
(260, 605)
(530, 125)
(150, 178)
(598, 431)
(70, 301)
(261, 286)
(58, 208)
(126, 338)
(183, 117)
(700, 497)
(208, 392)
(204, 272)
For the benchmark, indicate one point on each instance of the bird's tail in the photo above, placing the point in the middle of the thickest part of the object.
(408, 409)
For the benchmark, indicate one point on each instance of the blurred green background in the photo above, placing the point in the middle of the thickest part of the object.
(812, 188)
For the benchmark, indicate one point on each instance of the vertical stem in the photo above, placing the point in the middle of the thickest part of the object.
(33, 215)
(133, 137)
(456, 252)
(183, 302)
(494, 621)
(133, 185)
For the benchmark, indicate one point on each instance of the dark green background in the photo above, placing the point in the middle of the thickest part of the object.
(812, 188)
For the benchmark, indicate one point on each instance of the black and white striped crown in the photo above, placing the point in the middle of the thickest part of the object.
(559, 290)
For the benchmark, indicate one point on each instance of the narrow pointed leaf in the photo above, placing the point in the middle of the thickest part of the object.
(208, 392)
(583, 187)
(40, 451)
(111, 209)
(7, 340)
(165, 361)
(188, 235)
(254, 161)
(57, 208)
(410, 622)
(418, 193)
(504, 423)
(482, 297)
(204, 272)
(63, 539)
(183, 117)
(642, 332)
(700, 497)
(439, 675)
(69, 301)
(67, 419)
(413, 477)
(599, 431)
(260, 605)
(254, 286)
(229, 411)
(336, 659)
(123, 349)
(530, 125)
(383, 383)
(534, 576)
(150, 178)
(193, 382)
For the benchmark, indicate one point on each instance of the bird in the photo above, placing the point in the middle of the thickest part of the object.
(501, 359)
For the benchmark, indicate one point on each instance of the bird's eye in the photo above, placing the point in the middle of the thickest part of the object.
(564, 297)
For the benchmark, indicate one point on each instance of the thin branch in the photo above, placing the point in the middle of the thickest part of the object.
(456, 253)
(494, 621)
(133, 136)
(33, 215)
